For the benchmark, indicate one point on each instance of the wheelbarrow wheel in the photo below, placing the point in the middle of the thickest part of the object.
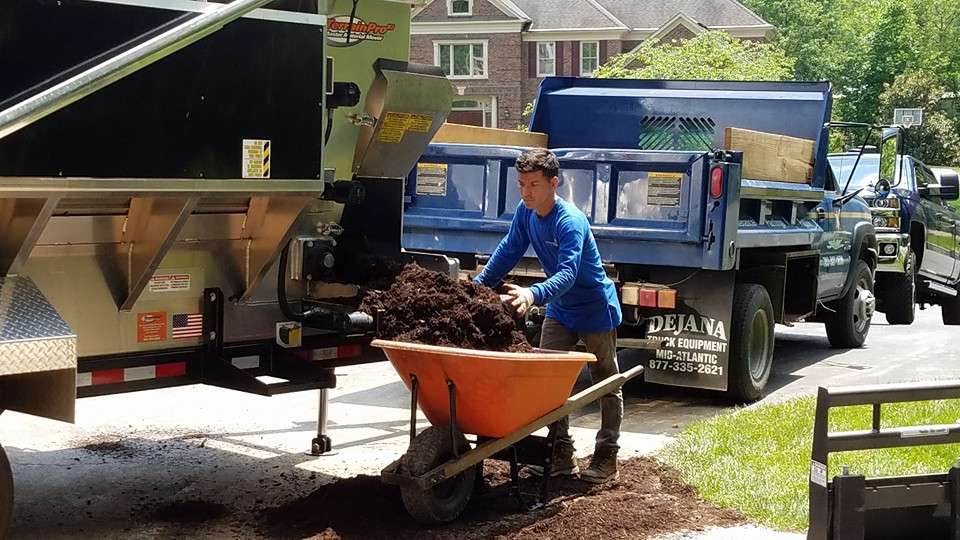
(445, 501)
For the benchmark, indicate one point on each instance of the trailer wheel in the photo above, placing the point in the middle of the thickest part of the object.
(901, 294)
(445, 501)
(6, 493)
(751, 342)
(848, 325)
(950, 310)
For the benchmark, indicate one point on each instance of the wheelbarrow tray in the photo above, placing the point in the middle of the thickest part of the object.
(497, 393)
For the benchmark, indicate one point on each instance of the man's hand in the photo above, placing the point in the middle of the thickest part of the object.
(521, 298)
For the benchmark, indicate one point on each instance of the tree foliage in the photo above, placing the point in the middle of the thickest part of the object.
(936, 141)
(710, 55)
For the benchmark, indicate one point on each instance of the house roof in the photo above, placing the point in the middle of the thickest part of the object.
(505, 10)
(568, 14)
(653, 14)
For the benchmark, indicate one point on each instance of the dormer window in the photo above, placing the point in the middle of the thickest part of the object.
(460, 8)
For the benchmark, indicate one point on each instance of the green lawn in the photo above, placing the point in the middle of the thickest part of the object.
(758, 459)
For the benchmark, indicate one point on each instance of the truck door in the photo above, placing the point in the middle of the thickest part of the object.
(834, 243)
(940, 249)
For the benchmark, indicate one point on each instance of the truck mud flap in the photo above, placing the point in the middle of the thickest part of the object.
(695, 335)
(851, 506)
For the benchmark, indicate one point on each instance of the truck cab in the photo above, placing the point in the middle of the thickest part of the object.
(917, 233)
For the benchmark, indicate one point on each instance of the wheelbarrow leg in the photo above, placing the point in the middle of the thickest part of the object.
(454, 429)
(414, 387)
(547, 468)
(515, 476)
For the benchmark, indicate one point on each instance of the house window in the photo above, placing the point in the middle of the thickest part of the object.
(546, 59)
(467, 60)
(589, 57)
(460, 7)
(475, 111)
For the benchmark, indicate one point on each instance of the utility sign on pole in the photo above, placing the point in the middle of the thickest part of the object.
(908, 117)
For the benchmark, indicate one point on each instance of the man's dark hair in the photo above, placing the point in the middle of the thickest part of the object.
(538, 159)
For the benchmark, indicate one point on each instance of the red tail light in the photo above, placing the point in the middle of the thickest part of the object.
(716, 182)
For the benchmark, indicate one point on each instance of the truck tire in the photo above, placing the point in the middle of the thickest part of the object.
(950, 310)
(751, 342)
(901, 294)
(6, 494)
(445, 501)
(849, 323)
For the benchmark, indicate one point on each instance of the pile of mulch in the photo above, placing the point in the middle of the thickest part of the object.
(428, 307)
(648, 500)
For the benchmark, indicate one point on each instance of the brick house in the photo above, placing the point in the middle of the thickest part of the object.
(497, 51)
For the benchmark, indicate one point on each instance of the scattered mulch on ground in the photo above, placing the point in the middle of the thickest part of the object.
(646, 501)
(188, 512)
(114, 449)
(431, 308)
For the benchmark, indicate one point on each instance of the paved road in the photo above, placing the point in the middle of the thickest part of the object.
(136, 465)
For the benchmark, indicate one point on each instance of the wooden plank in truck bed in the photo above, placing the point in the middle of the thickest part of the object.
(769, 156)
(464, 134)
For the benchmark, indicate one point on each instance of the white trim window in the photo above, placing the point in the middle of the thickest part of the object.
(459, 8)
(546, 58)
(589, 58)
(461, 59)
(487, 105)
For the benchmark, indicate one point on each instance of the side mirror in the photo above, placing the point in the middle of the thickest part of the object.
(890, 147)
(949, 183)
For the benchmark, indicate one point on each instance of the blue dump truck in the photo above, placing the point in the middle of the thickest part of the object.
(706, 259)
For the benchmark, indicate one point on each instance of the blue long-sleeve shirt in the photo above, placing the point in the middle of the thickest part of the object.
(577, 292)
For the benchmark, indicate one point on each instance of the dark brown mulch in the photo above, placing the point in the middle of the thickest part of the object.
(648, 500)
(428, 307)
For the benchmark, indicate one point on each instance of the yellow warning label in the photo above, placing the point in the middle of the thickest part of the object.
(395, 125)
(665, 176)
(431, 179)
(256, 158)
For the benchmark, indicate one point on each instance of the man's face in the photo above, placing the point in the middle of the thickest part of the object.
(536, 189)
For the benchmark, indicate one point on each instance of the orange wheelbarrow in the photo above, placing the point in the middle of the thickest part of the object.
(501, 398)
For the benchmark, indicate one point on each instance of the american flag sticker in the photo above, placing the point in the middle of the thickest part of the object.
(187, 325)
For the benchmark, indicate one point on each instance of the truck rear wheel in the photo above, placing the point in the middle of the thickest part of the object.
(848, 325)
(6, 493)
(950, 310)
(445, 501)
(901, 294)
(751, 342)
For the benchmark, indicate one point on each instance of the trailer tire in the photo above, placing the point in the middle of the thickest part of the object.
(848, 326)
(6, 493)
(901, 294)
(445, 501)
(950, 310)
(751, 342)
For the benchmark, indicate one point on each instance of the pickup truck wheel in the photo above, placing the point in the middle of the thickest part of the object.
(901, 294)
(6, 494)
(950, 310)
(446, 500)
(751, 342)
(848, 325)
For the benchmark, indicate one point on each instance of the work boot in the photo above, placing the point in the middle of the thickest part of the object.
(564, 463)
(603, 467)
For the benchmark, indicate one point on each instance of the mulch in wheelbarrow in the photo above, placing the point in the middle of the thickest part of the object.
(648, 500)
(428, 307)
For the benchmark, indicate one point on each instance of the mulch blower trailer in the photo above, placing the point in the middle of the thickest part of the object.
(854, 507)
(171, 171)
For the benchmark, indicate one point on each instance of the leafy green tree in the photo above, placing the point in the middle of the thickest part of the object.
(710, 55)
(937, 140)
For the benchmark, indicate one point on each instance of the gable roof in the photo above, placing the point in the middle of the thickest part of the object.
(548, 15)
(436, 11)
(654, 14)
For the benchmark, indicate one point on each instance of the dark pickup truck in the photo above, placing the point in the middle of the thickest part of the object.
(917, 232)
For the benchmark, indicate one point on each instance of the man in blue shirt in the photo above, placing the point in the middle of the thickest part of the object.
(581, 300)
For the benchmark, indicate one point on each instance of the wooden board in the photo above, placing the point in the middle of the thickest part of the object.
(769, 156)
(464, 134)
